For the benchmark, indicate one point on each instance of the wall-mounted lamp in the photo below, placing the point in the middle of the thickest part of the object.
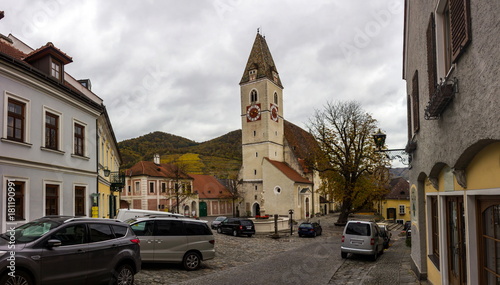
(107, 172)
(401, 154)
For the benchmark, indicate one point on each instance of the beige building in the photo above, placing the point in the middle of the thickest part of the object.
(274, 177)
(451, 56)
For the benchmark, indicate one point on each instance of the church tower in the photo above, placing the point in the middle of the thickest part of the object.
(261, 117)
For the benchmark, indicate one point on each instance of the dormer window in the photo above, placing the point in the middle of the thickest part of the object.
(253, 74)
(275, 76)
(55, 69)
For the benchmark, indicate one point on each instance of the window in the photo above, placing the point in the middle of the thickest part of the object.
(137, 186)
(434, 230)
(79, 139)
(197, 229)
(163, 187)
(490, 242)
(15, 200)
(100, 232)
(275, 98)
(253, 74)
(151, 187)
(145, 228)
(51, 199)
(70, 235)
(55, 69)
(253, 96)
(256, 154)
(119, 231)
(169, 228)
(402, 209)
(16, 120)
(255, 171)
(79, 201)
(51, 131)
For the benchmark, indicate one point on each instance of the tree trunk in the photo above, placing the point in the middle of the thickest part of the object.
(345, 210)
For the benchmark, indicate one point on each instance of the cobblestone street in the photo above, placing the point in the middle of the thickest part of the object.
(233, 252)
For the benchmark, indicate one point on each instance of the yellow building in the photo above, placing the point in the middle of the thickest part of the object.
(110, 183)
(395, 206)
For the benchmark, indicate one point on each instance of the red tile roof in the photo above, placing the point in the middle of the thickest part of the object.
(208, 187)
(288, 171)
(10, 50)
(301, 142)
(49, 48)
(149, 168)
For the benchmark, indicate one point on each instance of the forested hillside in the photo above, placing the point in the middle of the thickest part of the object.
(220, 156)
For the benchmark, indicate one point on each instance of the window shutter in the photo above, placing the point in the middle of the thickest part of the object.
(408, 116)
(460, 26)
(431, 56)
(414, 101)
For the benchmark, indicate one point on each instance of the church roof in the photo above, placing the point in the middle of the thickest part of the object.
(301, 142)
(261, 59)
(208, 187)
(288, 171)
(149, 168)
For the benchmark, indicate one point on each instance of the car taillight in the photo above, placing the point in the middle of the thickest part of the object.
(241, 227)
(136, 240)
(311, 230)
(372, 241)
(343, 238)
(212, 241)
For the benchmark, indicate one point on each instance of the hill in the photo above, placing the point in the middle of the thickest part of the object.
(220, 156)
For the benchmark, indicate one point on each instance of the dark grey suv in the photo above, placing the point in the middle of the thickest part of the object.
(69, 250)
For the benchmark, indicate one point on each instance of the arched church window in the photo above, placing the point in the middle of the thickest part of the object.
(275, 98)
(253, 96)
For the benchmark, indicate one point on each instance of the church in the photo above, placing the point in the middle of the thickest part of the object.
(274, 177)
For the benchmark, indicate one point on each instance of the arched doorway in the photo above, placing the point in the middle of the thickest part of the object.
(186, 211)
(194, 213)
(256, 209)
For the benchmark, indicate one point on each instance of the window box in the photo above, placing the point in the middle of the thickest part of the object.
(439, 100)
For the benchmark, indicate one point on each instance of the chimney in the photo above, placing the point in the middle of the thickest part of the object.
(156, 159)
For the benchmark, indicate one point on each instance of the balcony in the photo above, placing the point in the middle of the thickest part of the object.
(117, 180)
(440, 99)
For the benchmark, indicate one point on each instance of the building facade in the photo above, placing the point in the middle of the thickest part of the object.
(451, 70)
(159, 187)
(395, 206)
(215, 199)
(274, 177)
(48, 147)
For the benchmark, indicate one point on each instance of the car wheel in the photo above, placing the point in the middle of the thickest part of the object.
(219, 230)
(343, 254)
(375, 255)
(315, 234)
(235, 233)
(192, 261)
(124, 275)
(20, 278)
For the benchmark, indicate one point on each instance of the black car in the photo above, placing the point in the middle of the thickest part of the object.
(69, 250)
(310, 229)
(237, 227)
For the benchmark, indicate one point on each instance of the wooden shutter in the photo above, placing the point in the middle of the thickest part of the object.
(431, 56)
(408, 116)
(414, 102)
(460, 26)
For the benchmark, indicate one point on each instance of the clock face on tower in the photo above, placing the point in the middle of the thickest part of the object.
(274, 112)
(253, 113)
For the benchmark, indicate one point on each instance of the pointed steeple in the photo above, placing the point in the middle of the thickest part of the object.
(260, 63)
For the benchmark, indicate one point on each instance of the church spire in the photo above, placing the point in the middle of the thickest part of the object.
(260, 63)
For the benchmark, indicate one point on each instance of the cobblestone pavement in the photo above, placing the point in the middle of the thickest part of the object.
(232, 252)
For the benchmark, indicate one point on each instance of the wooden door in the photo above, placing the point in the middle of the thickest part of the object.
(456, 240)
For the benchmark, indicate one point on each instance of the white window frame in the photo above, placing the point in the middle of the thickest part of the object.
(149, 188)
(60, 195)
(27, 115)
(85, 138)
(85, 195)
(403, 207)
(59, 127)
(441, 45)
(26, 207)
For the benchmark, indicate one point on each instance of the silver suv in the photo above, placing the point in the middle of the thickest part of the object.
(171, 239)
(362, 237)
(69, 250)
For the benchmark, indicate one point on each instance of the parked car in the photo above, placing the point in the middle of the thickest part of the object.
(215, 223)
(385, 233)
(310, 229)
(174, 240)
(362, 237)
(237, 227)
(57, 250)
(125, 214)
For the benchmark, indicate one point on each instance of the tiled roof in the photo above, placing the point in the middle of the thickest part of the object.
(288, 171)
(301, 142)
(261, 59)
(10, 50)
(46, 49)
(400, 189)
(149, 168)
(208, 187)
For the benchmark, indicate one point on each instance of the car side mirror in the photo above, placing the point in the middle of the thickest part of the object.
(53, 243)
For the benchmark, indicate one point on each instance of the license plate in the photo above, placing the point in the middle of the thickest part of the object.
(249, 227)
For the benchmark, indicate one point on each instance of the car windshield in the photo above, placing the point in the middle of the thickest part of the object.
(308, 226)
(358, 229)
(31, 231)
(246, 223)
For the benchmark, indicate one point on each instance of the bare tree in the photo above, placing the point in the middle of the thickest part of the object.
(181, 189)
(347, 157)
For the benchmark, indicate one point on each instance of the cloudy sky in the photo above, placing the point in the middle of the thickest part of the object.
(174, 66)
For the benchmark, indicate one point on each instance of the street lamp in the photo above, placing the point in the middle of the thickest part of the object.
(391, 154)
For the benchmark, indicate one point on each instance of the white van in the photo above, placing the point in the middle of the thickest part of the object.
(125, 214)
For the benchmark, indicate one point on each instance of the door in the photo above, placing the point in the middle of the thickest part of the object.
(144, 230)
(170, 240)
(456, 240)
(72, 254)
(203, 209)
(489, 240)
(391, 214)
